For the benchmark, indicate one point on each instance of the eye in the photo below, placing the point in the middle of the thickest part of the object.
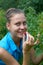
(18, 24)
(24, 23)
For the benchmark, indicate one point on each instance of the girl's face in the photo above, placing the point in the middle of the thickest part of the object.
(17, 25)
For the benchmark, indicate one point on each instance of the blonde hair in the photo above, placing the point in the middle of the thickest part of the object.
(12, 11)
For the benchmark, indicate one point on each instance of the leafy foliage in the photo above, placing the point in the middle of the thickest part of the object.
(23, 4)
(35, 26)
(2, 23)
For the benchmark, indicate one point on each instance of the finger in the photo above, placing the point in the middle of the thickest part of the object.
(37, 41)
(29, 38)
(23, 38)
(38, 35)
(26, 36)
(32, 41)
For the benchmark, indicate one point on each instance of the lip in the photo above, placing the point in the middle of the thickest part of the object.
(21, 33)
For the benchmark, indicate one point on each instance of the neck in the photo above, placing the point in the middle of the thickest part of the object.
(16, 40)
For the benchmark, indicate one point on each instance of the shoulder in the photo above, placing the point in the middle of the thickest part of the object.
(3, 42)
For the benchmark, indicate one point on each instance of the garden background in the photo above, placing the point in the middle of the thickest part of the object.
(34, 15)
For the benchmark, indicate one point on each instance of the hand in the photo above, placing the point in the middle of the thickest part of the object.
(29, 43)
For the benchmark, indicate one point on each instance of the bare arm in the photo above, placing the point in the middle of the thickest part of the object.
(7, 58)
(36, 59)
(26, 59)
(27, 45)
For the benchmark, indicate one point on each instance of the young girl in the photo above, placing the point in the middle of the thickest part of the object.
(14, 45)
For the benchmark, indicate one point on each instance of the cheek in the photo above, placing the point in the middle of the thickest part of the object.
(15, 28)
(25, 27)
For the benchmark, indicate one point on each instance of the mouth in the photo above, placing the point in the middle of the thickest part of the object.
(21, 33)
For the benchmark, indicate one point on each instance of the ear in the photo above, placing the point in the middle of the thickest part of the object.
(8, 25)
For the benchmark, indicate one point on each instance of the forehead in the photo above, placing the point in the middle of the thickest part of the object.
(18, 17)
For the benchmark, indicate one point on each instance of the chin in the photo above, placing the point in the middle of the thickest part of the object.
(20, 36)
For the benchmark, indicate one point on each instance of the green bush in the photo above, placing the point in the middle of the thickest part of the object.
(35, 26)
(2, 24)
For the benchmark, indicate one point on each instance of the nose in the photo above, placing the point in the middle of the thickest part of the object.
(22, 26)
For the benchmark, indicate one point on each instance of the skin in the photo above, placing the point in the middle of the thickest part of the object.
(7, 58)
(17, 27)
(35, 59)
